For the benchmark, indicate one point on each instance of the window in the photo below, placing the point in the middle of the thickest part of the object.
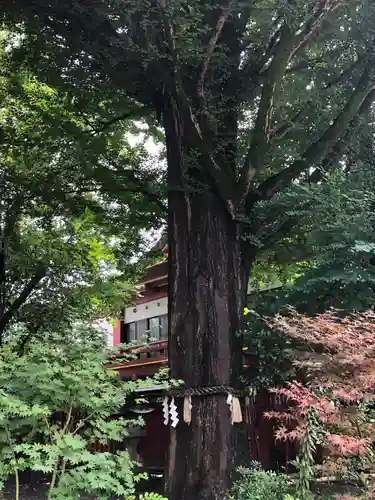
(159, 327)
(132, 332)
(142, 329)
(164, 327)
(154, 328)
(136, 331)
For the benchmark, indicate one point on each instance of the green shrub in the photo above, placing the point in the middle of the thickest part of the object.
(56, 401)
(256, 484)
(148, 496)
(152, 496)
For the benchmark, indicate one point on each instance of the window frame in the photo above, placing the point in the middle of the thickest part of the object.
(138, 336)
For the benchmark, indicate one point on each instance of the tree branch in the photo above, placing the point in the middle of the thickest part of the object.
(20, 300)
(263, 122)
(340, 147)
(313, 23)
(153, 197)
(255, 156)
(224, 184)
(6, 229)
(263, 56)
(212, 45)
(318, 174)
(347, 73)
(133, 113)
(302, 38)
(253, 72)
(283, 129)
(139, 186)
(168, 32)
(318, 150)
(284, 229)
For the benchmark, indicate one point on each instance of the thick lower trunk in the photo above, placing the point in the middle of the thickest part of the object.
(207, 290)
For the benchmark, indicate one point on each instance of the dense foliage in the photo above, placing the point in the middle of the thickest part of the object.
(66, 227)
(308, 83)
(328, 262)
(338, 238)
(256, 484)
(56, 402)
(331, 402)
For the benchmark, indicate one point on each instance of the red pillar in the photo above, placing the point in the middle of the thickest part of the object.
(117, 333)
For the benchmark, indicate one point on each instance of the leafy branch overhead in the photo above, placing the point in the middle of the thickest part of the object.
(63, 214)
(270, 59)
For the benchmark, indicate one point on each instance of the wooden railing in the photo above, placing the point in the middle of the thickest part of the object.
(146, 359)
(143, 360)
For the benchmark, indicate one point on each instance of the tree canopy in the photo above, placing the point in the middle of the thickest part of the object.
(67, 225)
(296, 93)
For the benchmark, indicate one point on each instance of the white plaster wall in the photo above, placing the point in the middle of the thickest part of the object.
(147, 310)
(107, 328)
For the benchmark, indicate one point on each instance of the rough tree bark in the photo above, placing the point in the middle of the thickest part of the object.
(207, 290)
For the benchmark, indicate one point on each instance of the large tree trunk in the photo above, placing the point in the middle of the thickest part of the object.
(207, 290)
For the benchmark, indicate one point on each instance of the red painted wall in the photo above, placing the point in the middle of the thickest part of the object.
(117, 333)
